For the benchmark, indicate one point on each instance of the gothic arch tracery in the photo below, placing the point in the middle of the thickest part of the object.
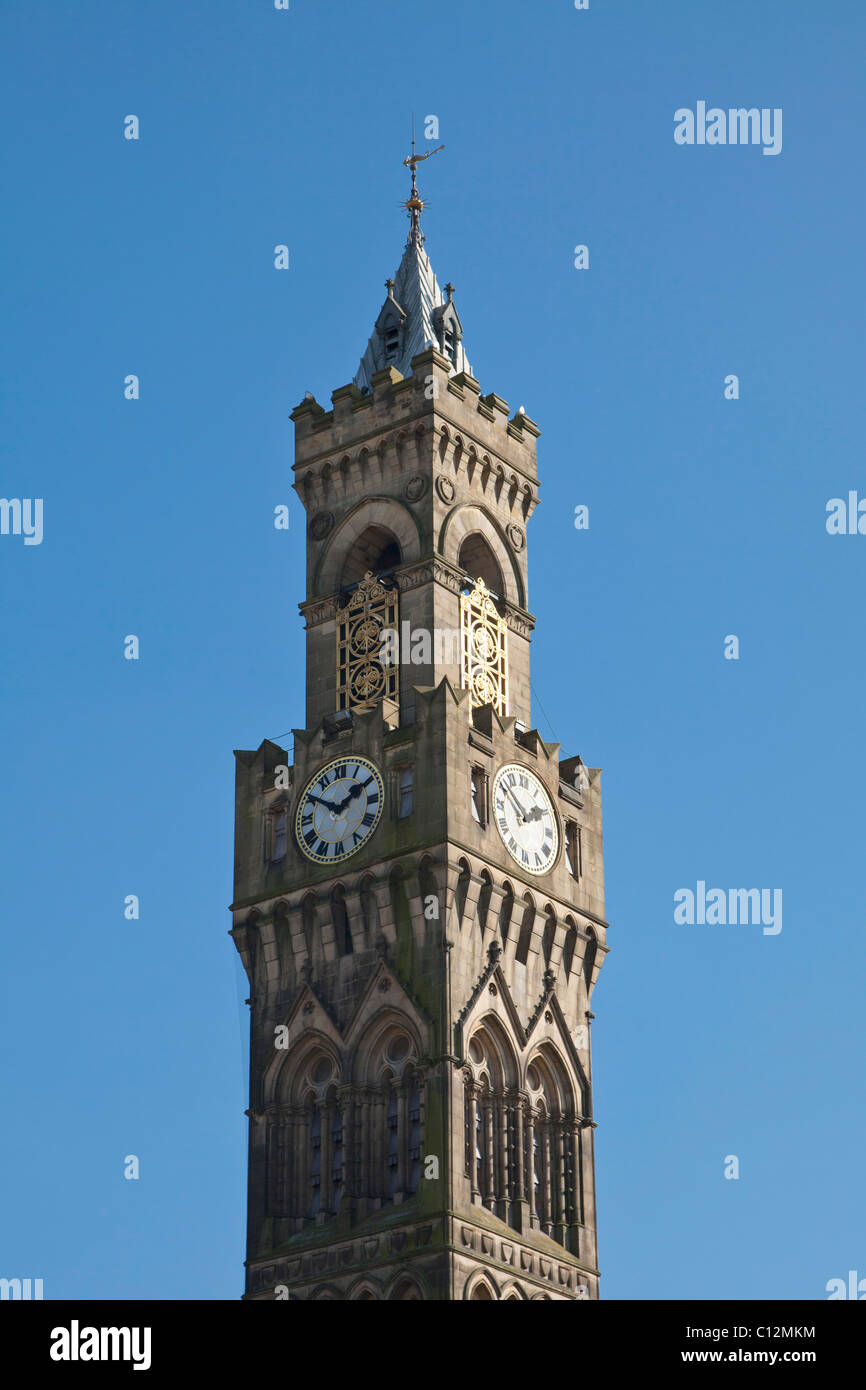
(522, 1134)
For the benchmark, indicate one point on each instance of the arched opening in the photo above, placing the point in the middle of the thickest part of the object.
(549, 935)
(308, 920)
(506, 908)
(407, 1291)
(589, 958)
(478, 561)
(460, 896)
(554, 1143)
(283, 934)
(376, 550)
(369, 909)
(391, 1121)
(570, 946)
(525, 939)
(429, 890)
(481, 1294)
(484, 900)
(340, 921)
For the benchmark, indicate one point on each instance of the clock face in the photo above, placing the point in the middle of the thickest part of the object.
(525, 818)
(339, 809)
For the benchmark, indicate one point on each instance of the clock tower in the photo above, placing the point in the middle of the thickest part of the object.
(418, 889)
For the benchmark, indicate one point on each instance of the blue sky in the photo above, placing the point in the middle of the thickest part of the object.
(707, 518)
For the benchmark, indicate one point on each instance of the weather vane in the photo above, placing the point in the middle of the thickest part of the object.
(415, 203)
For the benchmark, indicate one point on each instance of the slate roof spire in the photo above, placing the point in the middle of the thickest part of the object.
(416, 314)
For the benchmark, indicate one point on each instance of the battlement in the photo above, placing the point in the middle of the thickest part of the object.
(401, 404)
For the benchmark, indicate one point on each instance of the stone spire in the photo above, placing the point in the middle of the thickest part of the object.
(416, 314)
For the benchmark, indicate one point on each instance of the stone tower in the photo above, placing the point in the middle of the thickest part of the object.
(418, 892)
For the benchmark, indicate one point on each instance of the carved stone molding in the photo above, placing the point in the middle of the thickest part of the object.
(445, 487)
(320, 610)
(416, 487)
(321, 524)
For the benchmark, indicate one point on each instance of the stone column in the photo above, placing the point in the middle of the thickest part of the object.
(489, 1164)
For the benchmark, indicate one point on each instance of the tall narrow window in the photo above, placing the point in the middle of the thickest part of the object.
(479, 795)
(392, 344)
(572, 848)
(393, 1156)
(414, 1135)
(316, 1164)
(407, 792)
(279, 835)
(336, 1157)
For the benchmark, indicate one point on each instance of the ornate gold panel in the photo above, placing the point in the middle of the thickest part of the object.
(484, 649)
(362, 679)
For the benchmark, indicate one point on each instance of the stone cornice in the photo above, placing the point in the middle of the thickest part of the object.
(433, 569)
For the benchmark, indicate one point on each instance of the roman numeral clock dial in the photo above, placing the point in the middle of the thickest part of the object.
(525, 818)
(339, 809)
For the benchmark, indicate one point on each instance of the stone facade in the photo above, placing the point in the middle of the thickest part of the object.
(420, 1082)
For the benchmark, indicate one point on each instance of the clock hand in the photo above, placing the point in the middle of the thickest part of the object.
(520, 811)
(355, 791)
(329, 804)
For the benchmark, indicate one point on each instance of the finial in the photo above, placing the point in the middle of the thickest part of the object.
(415, 203)
(449, 290)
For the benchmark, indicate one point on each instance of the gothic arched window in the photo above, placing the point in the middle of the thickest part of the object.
(493, 1153)
(335, 1115)
(553, 1132)
(415, 1155)
(315, 1159)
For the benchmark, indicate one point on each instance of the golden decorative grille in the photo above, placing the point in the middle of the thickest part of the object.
(484, 649)
(362, 679)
